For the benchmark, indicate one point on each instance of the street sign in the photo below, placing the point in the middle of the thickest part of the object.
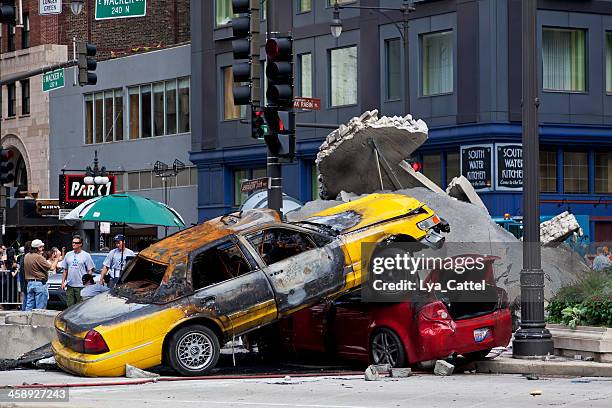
(509, 166)
(47, 208)
(49, 7)
(110, 9)
(53, 80)
(477, 165)
(73, 190)
(306, 103)
(248, 186)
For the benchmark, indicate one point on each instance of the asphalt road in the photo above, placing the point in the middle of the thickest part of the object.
(421, 390)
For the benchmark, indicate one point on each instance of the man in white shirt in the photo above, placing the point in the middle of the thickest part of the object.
(76, 263)
(116, 260)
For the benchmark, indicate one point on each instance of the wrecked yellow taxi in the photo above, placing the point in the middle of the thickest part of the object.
(182, 298)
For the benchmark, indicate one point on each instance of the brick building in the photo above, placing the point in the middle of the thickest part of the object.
(36, 41)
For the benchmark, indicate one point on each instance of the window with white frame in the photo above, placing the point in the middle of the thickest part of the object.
(160, 108)
(575, 172)
(104, 116)
(548, 171)
(564, 59)
(223, 12)
(437, 63)
(305, 64)
(343, 76)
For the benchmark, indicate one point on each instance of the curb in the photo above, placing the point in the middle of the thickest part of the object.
(546, 368)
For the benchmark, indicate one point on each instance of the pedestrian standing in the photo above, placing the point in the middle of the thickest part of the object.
(76, 263)
(36, 274)
(116, 260)
(23, 284)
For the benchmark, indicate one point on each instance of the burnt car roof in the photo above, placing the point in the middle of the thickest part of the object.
(176, 248)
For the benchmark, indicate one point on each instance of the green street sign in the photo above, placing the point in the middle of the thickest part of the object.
(53, 80)
(110, 9)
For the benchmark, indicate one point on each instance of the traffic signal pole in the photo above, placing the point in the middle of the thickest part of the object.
(39, 71)
(274, 167)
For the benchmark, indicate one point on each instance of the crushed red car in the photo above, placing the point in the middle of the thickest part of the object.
(408, 332)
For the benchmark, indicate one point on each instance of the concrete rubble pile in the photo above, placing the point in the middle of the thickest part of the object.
(559, 228)
(348, 162)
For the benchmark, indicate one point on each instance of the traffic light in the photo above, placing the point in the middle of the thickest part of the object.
(280, 137)
(258, 123)
(245, 47)
(7, 13)
(6, 166)
(87, 63)
(279, 72)
(414, 163)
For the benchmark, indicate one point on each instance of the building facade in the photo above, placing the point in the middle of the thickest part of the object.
(137, 114)
(464, 82)
(35, 41)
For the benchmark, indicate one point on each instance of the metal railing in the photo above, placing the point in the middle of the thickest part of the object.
(9, 288)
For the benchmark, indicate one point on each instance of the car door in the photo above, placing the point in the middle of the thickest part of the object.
(229, 285)
(300, 271)
(351, 319)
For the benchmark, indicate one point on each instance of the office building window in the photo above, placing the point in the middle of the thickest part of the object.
(11, 37)
(575, 172)
(146, 180)
(603, 172)
(305, 6)
(25, 97)
(12, 100)
(609, 62)
(183, 105)
(548, 171)
(437, 63)
(393, 57)
(104, 116)
(223, 12)
(331, 3)
(564, 59)
(159, 109)
(453, 167)
(343, 81)
(230, 111)
(241, 175)
(432, 167)
(25, 32)
(305, 61)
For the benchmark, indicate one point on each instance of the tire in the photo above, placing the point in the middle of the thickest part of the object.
(387, 348)
(193, 350)
(477, 355)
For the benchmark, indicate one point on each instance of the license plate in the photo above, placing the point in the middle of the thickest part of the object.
(481, 335)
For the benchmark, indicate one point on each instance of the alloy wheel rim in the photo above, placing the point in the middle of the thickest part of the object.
(194, 350)
(385, 349)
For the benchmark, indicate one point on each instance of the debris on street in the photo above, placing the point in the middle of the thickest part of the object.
(443, 368)
(400, 372)
(535, 392)
(559, 228)
(133, 372)
(461, 189)
(371, 374)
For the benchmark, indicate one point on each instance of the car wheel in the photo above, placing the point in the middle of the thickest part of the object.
(193, 350)
(387, 348)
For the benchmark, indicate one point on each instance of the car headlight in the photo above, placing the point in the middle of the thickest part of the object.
(428, 223)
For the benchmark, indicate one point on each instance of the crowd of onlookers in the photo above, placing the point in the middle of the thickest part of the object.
(25, 274)
(602, 260)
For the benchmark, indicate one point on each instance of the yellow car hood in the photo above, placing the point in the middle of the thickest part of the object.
(369, 210)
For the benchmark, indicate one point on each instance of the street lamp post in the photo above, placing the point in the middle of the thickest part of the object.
(162, 170)
(95, 175)
(533, 338)
(406, 8)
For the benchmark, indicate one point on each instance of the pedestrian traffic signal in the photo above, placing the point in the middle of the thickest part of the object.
(6, 166)
(7, 13)
(279, 72)
(280, 137)
(258, 123)
(245, 47)
(87, 63)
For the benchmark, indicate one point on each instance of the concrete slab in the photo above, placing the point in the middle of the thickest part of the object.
(553, 367)
(586, 341)
(44, 318)
(23, 318)
(18, 339)
(461, 189)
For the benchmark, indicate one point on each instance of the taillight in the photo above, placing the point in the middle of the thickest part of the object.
(435, 311)
(94, 343)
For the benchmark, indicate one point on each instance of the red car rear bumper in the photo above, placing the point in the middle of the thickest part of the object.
(440, 339)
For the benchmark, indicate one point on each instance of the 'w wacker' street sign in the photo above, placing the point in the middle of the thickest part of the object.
(109, 9)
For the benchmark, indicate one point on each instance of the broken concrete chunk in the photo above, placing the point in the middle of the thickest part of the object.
(443, 368)
(44, 318)
(461, 189)
(353, 154)
(133, 372)
(397, 372)
(559, 228)
(46, 363)
(371, 374)
(22, 318)
(382, 368)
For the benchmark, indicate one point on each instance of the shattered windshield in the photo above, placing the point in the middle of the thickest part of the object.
(338, 222)
(143, 282)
